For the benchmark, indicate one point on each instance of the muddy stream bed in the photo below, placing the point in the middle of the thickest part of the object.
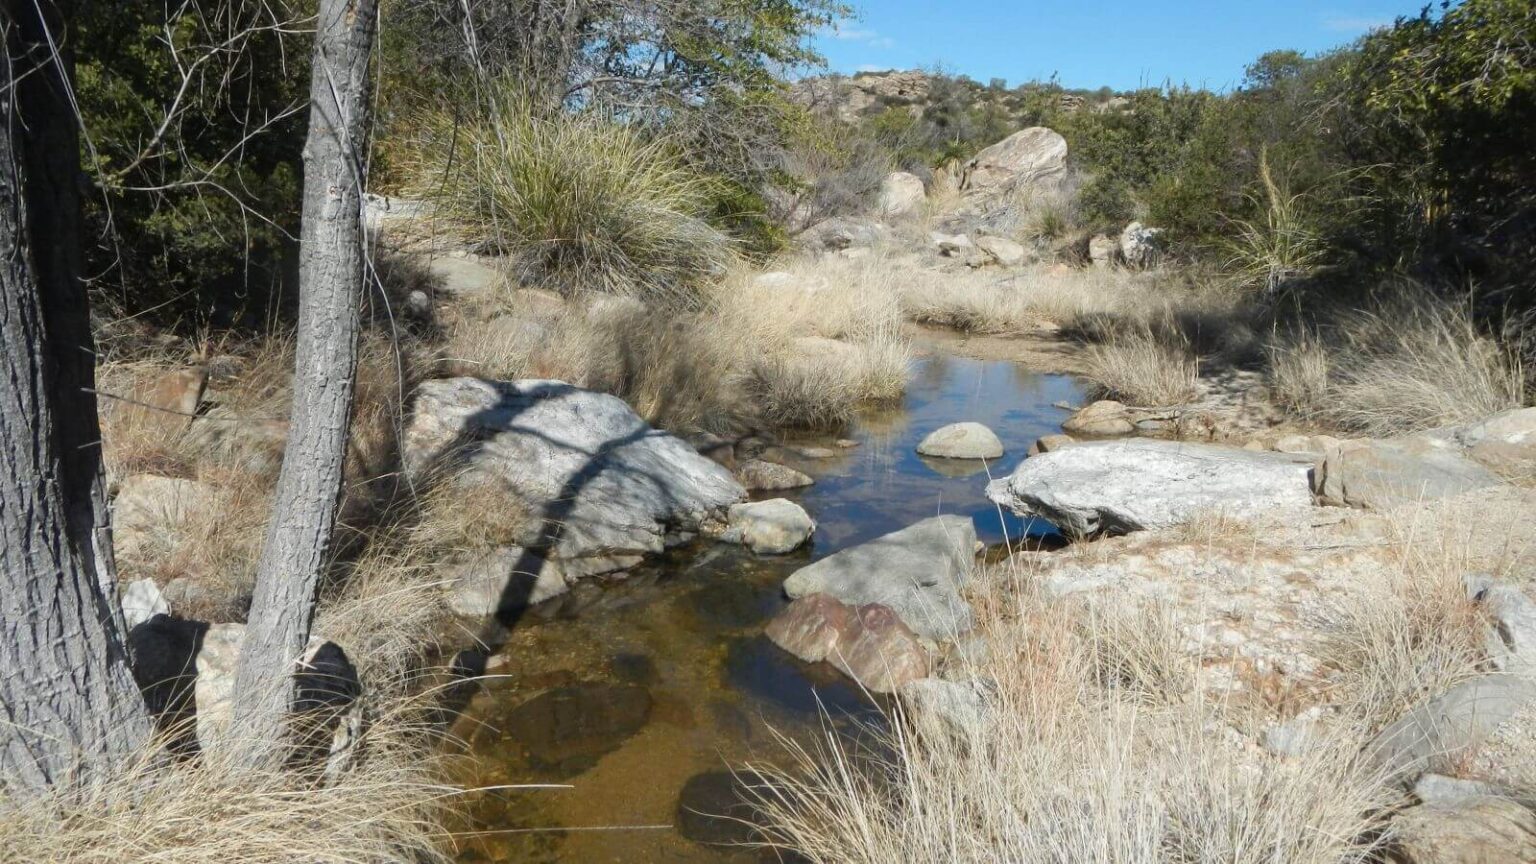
(638, 693)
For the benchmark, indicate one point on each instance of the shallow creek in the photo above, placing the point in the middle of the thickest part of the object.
(627, 691)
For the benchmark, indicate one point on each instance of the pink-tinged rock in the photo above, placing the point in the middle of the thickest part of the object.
(869, 644)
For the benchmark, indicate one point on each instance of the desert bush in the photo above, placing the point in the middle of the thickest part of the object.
(585, 202)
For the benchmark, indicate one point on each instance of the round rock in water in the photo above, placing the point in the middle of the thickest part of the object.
(962, 441)
(717, 808)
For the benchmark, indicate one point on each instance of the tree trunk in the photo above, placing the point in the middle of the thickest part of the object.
(331, 273)
(70, 706)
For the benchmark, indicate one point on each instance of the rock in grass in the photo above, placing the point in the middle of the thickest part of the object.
(774, 527)
(760, 475)
(1477, 830)
(917, 572)
(1003, 251)
(1139, 484)
(962, 441)
(1449, 726)
(869, 643)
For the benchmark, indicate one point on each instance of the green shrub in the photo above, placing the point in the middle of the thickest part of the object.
(584, 202)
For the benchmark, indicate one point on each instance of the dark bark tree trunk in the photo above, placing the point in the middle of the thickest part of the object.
(68, 705)
(331, 274)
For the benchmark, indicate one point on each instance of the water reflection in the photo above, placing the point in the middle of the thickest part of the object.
(629, 691)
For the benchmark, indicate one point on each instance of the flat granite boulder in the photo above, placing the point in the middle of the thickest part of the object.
(1382, 474)
(606, 485)
(916, 572)
(1141, 484)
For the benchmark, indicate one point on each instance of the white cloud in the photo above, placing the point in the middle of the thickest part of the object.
(871, 38)
(1354, 23)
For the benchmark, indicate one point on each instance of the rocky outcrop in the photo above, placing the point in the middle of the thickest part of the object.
(916, 572)
(868, 643)
(841, 233)
(1381, 474)
(1032, 158)
(606, 486)
(774, 527)
(962, 441)
(901, 195)
(1139, 484)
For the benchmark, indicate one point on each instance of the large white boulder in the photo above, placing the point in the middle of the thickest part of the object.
(1029, 157)
(607, 487)
(1140, 484)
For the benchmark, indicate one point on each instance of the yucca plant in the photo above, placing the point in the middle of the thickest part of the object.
(1278, 246)
(585, 202)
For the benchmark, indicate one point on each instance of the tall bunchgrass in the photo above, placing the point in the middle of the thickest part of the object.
(1145, 368)
(585, 201)
(1278, 246)
(1417, 363)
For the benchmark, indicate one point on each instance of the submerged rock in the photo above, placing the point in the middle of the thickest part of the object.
(773, 527)
(719, 807)
(759, 475)
(917, 572)
(1140, 484)
(869, 644)
(567, 729)
(962, 441)
(607, 487)
(1382, 474)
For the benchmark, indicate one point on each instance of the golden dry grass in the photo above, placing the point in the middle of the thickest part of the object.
(1141, 367)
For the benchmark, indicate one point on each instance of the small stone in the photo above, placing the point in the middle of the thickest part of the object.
(1105, 417)
(962, 441)
(774, 527)
(1440, 789)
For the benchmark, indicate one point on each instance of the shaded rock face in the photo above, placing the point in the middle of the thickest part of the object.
(1030, 157)
(1382, 474)
(901, 195)
(1478, 830)
(1141, 484)
(868, 643)
(611, 488)
(962, 441)
(774, 527)
(758, 475)
(916, 572)
(1511, 637)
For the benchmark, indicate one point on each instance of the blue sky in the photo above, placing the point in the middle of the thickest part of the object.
(1121, 43)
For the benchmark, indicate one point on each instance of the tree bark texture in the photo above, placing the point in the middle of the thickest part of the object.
(331, 274)
(69, 707)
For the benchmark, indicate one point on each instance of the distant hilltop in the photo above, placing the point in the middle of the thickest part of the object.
(869, 93)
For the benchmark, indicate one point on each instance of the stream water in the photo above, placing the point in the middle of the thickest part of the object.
(636, 693)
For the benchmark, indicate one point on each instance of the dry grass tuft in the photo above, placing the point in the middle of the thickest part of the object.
(1065, 769)
(1418, 364)
(389, 809)
(1144, 368)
